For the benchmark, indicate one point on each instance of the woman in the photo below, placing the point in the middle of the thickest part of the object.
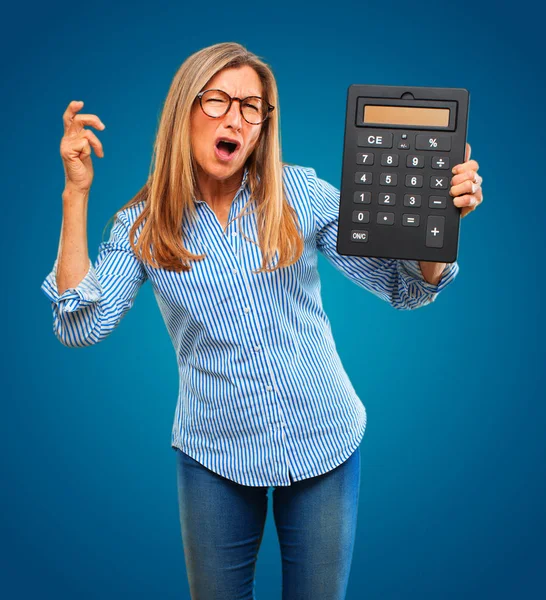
(228, 236)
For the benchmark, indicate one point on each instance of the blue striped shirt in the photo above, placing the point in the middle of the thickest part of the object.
(262, 391)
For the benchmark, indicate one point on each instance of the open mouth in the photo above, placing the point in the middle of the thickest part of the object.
(226, 149)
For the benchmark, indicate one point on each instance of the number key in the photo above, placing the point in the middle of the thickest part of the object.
(362, 197)
(415, 160)
(412, 200)
(388, 179)
(414, 181)
(361, 216)
(363, 177)
(364, 159)
(389, 199)
(389, 160)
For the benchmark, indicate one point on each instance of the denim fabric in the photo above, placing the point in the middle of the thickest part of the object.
(222, 524)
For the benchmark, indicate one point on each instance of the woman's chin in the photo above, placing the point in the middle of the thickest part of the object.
(219, 170)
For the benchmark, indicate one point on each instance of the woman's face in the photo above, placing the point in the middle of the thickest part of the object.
(238, 82)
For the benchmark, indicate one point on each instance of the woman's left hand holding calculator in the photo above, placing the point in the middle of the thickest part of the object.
(466, 185)
(467, 193)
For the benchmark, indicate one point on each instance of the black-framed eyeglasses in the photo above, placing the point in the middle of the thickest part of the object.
(216, 103)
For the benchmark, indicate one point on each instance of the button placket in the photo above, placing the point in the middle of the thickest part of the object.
(234, 208)
(257, 347)
(277, 427)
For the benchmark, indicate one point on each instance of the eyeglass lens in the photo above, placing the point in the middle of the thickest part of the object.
(215, 104)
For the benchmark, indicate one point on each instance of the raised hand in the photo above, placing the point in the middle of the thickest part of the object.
(76, 146)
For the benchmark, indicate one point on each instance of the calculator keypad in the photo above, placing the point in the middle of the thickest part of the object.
(406, 172)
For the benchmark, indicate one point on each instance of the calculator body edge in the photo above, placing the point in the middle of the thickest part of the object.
(368, 225)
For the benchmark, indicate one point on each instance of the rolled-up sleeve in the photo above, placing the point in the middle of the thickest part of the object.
(399, 282)
(88, 313)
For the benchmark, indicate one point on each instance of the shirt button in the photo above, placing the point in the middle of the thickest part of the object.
(268, 388)
(235, 271)
(257, 348)
(233, 233)
(246, 309)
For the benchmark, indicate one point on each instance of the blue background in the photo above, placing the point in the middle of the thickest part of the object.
(453, 482)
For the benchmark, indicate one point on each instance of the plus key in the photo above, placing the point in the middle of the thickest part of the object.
(435, 231)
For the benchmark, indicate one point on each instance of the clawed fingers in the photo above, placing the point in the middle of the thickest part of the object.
(73, 122)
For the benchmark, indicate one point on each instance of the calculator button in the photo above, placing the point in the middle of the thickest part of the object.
(379, 140)
(410, 220)
(412, 200)
(440, 162)
(359, 235)
(414, 181)
(361, 216)
(389, 199)
(439, 183)
(415, 160)
(403, 145)
(437, 202)
(385, 218)
(435, 231)
(363, 177)
(429, 141)
(388, 179)
(364, 159)
(389, 160)
(362, 197)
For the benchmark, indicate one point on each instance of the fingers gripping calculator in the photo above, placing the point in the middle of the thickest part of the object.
(399, 148)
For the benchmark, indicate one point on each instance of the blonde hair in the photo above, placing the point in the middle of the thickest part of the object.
(171, 186)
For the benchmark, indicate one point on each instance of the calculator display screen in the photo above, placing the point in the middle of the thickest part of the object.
(406, 115)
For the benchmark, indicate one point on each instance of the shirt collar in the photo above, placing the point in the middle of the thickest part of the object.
(241, 187)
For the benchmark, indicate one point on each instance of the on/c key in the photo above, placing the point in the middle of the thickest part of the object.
(435, 231)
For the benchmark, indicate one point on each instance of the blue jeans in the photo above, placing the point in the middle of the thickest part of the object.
(222, 524)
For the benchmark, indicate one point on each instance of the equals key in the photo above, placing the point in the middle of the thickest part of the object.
(410, 220)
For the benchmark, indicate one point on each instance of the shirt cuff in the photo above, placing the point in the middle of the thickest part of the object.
(89, 289)
(412, 268)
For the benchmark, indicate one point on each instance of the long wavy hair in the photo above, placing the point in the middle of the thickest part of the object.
(171, 186)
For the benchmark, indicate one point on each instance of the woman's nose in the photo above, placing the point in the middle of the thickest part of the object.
(233, 115)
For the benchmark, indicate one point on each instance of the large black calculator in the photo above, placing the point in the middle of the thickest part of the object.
(399, 148)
